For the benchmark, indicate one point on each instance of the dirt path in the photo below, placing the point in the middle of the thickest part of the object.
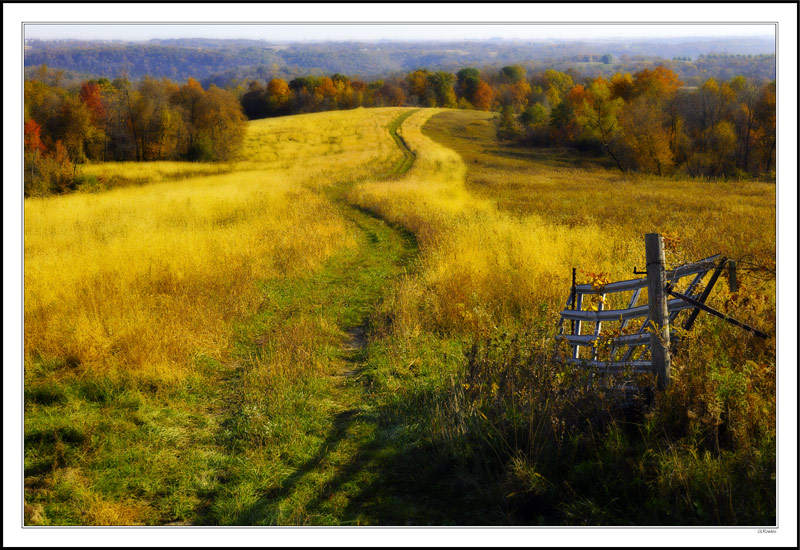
(342, 459)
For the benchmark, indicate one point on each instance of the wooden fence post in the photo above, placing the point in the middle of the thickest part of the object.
(732, 284)
(659, 314)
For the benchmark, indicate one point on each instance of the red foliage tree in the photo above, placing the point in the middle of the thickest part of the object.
(33, 137)
(91, 95)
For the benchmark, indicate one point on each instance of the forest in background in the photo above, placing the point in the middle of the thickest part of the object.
(647, 122)
(233, 62)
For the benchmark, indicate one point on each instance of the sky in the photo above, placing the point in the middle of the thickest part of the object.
(368, 32)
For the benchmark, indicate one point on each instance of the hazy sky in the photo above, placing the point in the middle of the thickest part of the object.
(306, 32)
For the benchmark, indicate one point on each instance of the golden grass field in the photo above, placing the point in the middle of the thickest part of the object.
(311, 352)
(502, 240)
(137, 280)
(148, 275)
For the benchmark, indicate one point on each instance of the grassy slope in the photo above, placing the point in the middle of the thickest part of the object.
(112, 426)
(735, 218)
(705, 453)
(289, 427)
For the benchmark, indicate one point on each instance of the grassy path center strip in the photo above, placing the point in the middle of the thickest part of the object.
(407, 161)
(323, 459)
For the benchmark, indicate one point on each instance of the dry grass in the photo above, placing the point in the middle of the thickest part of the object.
(500, 229)
(481, 265)
(501, 239)
(137, 280)
(134, 282)
(119, 174)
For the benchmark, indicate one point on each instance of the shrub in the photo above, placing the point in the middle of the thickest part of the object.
(201, 150)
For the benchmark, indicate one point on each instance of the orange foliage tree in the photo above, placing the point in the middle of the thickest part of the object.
(483, 97)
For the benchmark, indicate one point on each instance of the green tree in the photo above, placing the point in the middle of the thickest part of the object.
(597, 114)
(468, 80)
(513, 73)
(535, 118)
(254, 101)
(441, 83)
(508, 127)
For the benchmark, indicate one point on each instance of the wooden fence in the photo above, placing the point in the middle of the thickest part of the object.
(642, 340)
(639, 338)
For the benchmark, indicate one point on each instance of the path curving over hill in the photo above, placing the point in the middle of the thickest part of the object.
(338, 454)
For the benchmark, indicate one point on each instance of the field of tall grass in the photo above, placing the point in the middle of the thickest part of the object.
(501, 228)
(138, 280)
(184, 329)
(501, 238)
(140, 290)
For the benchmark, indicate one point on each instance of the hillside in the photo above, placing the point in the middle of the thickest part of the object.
(352, 322)
(219, 61)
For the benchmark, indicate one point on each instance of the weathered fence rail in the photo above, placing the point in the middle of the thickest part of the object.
(644, 347)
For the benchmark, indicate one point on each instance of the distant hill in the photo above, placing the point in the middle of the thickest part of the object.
(222, 60)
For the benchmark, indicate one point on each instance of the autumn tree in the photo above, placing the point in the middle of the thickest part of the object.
(359, 90)
(556, 86)
(220, 127)
(520, 93)
(744, 119)
(648, 118)
(73, 126)
(765, 118)
(34, 150)
(325, 94)
(99, 96)
(622, 86)
(91, 96)
(121, 143)
(161, 126)
(645, 136)
(278, 96)
(597, 114)
(563, 127)
(391, 94)
(418, 87)
(659, 82)
(483, 97)
(43, 104)
(707, 127)
(189, 99)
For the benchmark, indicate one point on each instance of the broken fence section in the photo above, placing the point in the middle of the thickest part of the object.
(624, 346)
(638, 329)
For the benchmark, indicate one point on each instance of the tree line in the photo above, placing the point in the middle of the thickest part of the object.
(116, 120)
(646, 121)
